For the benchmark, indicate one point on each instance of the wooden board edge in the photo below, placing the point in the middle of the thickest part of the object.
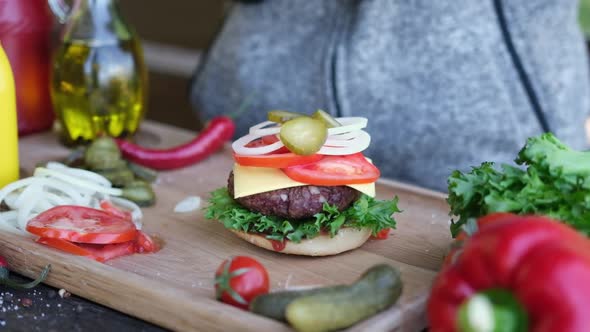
(394, 184)
(410, 317)
(168, 306)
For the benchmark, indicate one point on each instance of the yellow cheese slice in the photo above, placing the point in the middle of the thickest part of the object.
(255, 180)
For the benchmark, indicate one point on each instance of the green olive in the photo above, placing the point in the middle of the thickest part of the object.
(119, 177)
(144, 173)
(104, 143)
(139, 192)
(303, 135)
(282, 116)
(326, 118)
(98, 159)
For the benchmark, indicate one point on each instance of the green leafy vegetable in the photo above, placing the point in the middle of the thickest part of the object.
(365, 212)
(554, 182)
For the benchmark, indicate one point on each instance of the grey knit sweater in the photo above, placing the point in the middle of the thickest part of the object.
(445, 84)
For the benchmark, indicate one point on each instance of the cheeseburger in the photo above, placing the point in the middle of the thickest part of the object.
(301, 185)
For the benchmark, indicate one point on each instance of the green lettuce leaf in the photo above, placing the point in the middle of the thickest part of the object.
(554, 181)
(365, 212)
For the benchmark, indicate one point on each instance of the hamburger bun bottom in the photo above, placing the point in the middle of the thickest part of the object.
(321, 245)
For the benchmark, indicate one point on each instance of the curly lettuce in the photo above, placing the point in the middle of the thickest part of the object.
(366, 212)
(555, 181)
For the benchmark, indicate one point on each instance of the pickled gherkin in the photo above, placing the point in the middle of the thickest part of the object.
(283, 116)
(326, 118)
(304, 135)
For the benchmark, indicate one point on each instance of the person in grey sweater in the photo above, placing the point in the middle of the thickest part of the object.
(445, 84)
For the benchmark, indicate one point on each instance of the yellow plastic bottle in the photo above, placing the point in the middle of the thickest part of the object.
(8, 124)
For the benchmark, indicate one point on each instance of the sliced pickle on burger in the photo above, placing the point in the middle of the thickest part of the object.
(280, 116)
(326, 118)
(304, 135)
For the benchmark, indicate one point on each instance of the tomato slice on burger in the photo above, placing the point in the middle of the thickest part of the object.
(82, 224)
(335, 171)
(281, 158)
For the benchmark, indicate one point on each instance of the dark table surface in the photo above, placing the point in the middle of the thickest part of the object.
(43, 309)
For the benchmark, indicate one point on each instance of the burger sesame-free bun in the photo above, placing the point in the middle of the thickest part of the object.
(321, 245)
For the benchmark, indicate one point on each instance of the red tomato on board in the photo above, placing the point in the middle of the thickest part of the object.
(109, 207)
(335, 171)
(383, 234)
(103, 252)
(239, 280)
(82, 224)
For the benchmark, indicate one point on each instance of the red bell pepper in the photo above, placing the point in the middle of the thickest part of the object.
(516, 273)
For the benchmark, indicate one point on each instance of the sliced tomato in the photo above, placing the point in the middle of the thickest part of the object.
(98, 252)
(282, 158)
(105, 252)
(66, 246)
(82, 224)
(109, 207)
(146, 244)
(279, 160)
(383, 234)
(335, 171)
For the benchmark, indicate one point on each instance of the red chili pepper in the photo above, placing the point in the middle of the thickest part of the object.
(521, 273)
(4, 280)
(212, 138)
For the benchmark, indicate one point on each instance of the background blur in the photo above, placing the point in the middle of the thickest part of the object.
(175, 34)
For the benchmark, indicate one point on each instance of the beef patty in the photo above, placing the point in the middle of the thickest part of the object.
(296, 202)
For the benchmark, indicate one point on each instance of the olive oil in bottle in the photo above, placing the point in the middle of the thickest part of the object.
(99, 80)
(98, 88)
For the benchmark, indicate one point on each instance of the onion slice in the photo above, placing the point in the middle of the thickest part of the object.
(58, 184)
(239, 146)
(189, 204)
(360, 145)
(348, 138)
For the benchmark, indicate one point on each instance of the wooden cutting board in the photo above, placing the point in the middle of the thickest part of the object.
(173, 288)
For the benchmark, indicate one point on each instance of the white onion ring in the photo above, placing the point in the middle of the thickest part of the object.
(359, 139)
(345, 136)
(261, 125)
(348, 124)
(346, 139)
(57, 185)
(239, 146)
(82, 173)
(363, 142)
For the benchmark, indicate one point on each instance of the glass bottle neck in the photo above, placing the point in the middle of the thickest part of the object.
(96, 21)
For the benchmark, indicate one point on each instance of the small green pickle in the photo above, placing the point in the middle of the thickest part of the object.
(140, 192)
(280, 116)
(303, 135)
(326, 118)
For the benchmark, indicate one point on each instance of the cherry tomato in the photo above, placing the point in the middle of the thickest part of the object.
(335, 171)
(109, 207)
(239, 280)
(98, 252)
(383, 234)
(82, 224)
